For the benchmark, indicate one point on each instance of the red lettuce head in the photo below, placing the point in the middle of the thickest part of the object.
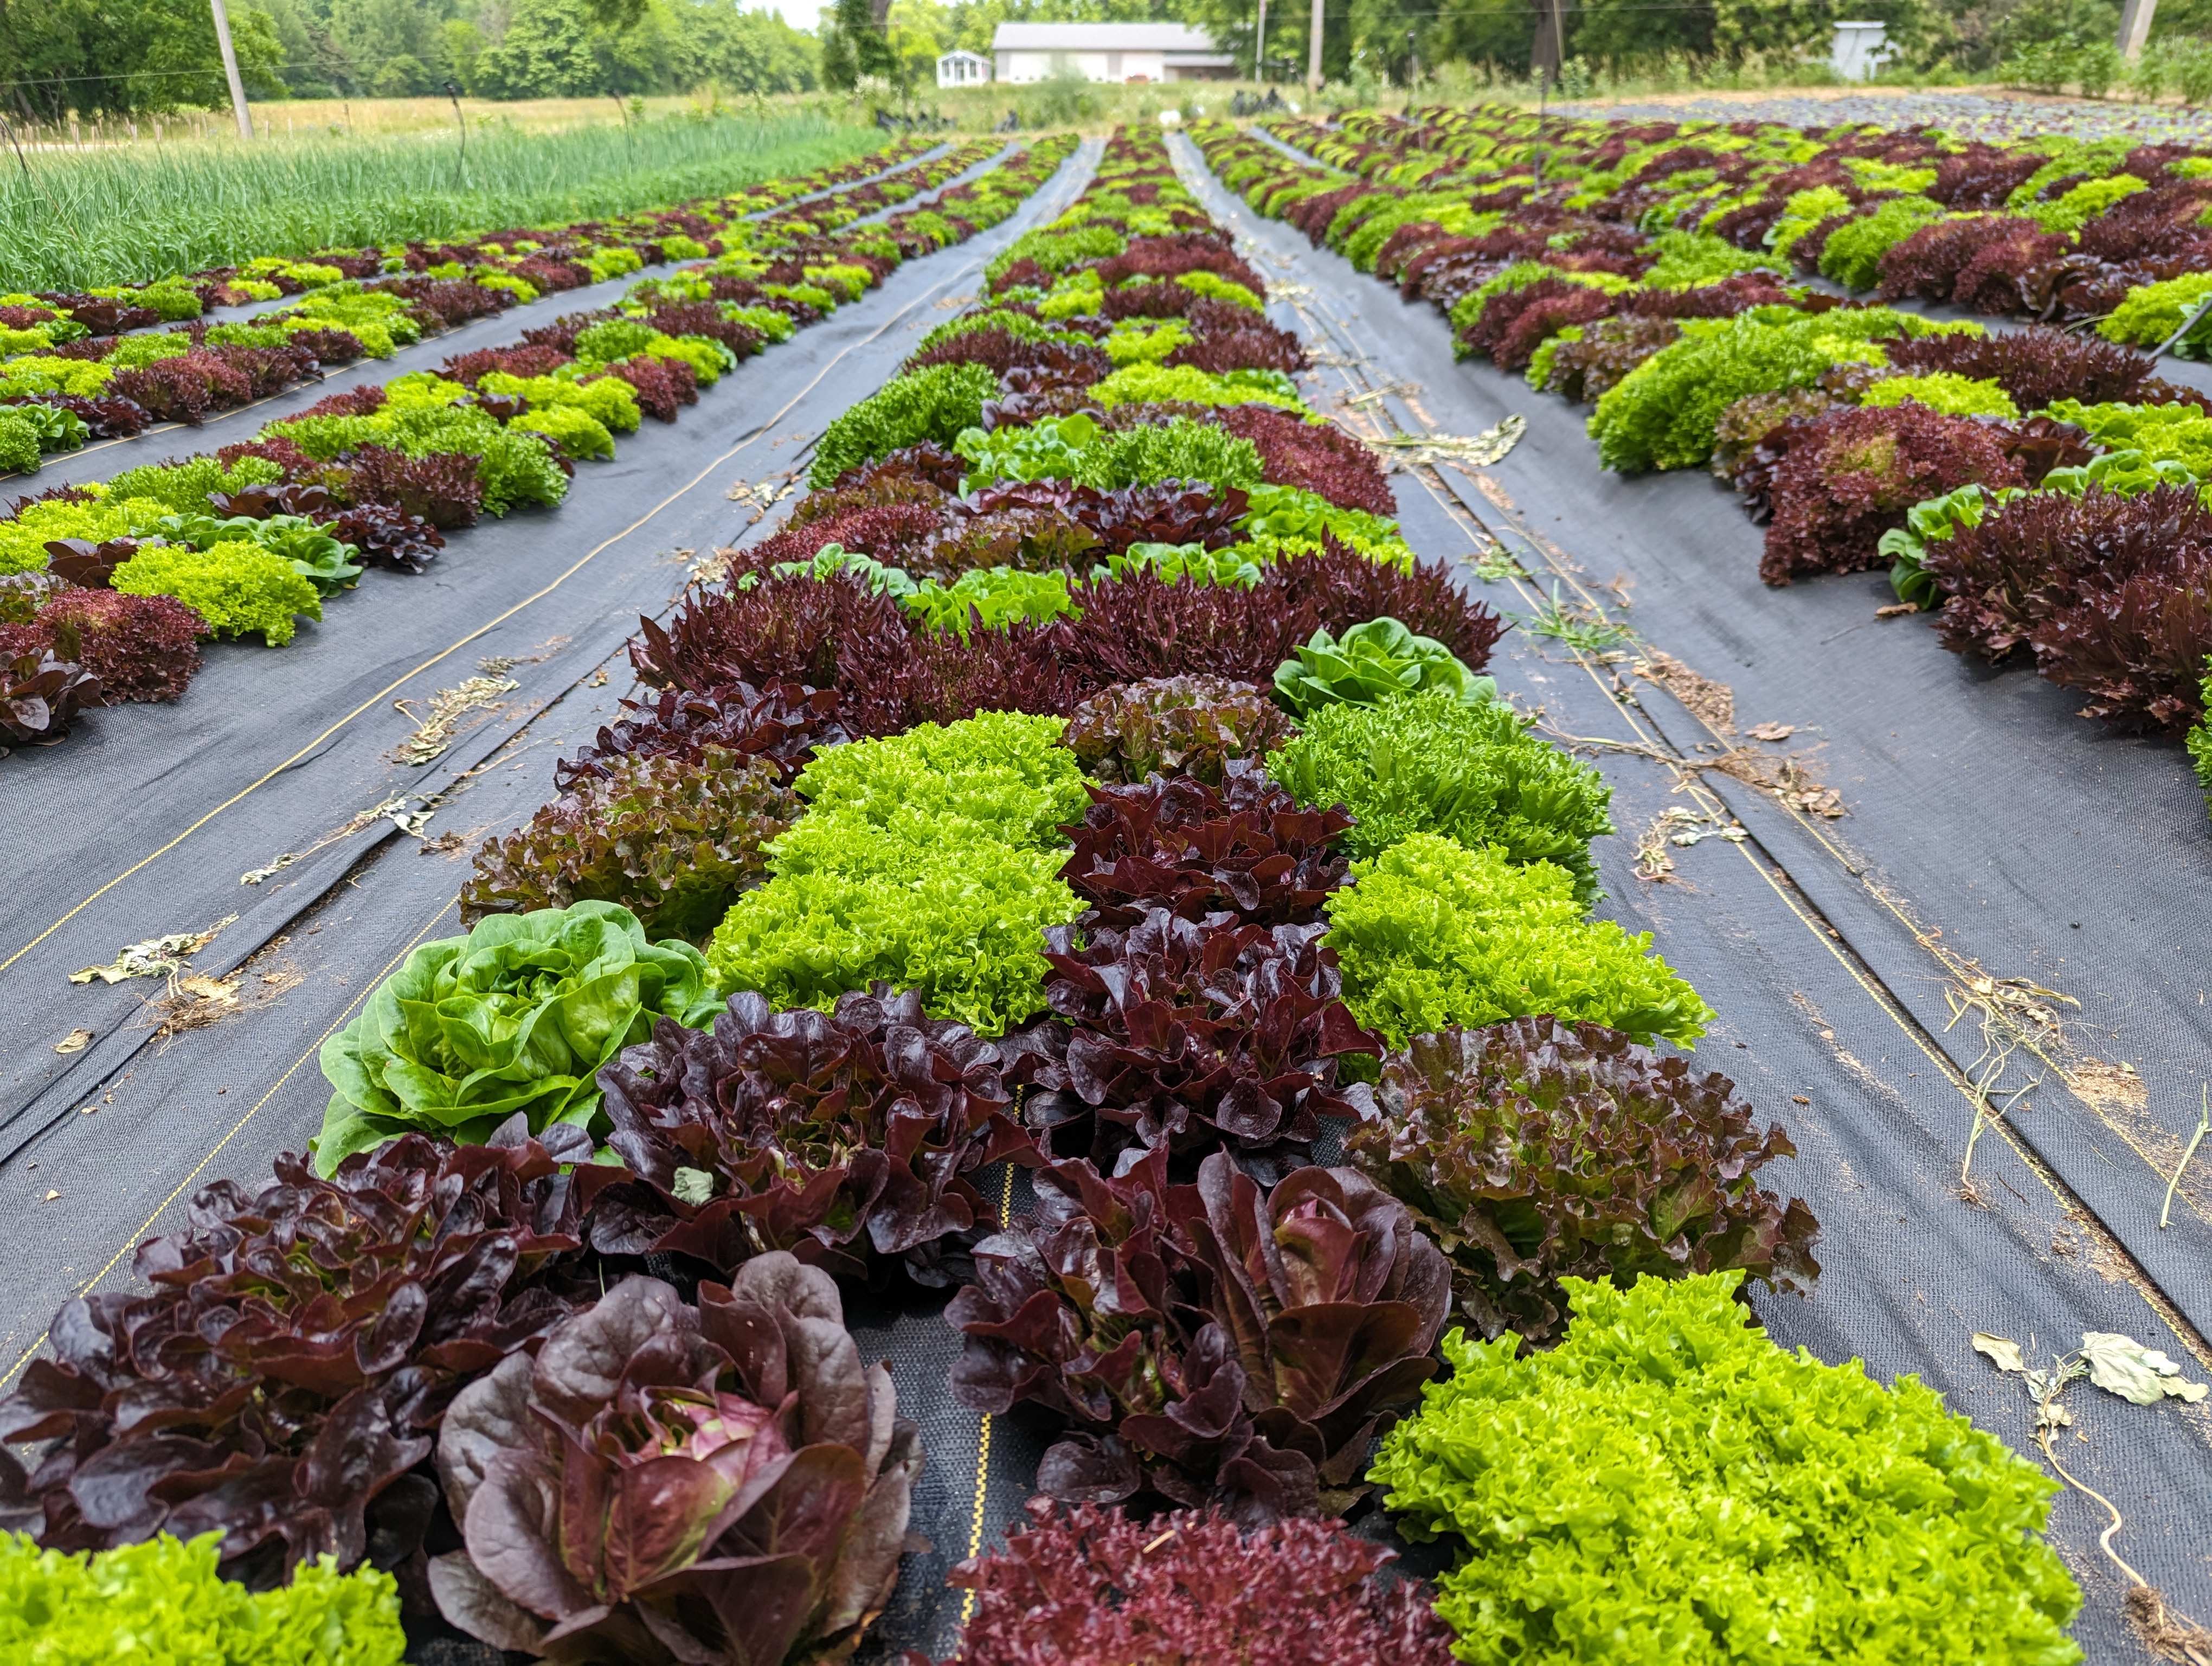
(1185, 1037)
(1243, 849)
(1175, 726)
(290, 1366)
(666, 1483)
(1217, 1343)
(1537, 1150)
(1091, 1585)
(845, 1137)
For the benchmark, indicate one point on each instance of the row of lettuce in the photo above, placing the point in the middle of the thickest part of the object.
(108, 590)
(2040, 491)
(71, 369)
(1086, 779)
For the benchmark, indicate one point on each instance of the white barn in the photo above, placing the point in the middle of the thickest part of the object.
(1119, 52)
(962, 70)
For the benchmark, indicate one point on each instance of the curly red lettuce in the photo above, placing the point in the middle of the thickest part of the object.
(1536, 1150)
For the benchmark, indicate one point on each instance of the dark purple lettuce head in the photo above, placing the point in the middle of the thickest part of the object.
(281, 1383)
(666, 1483)
(1537, 1150)
(1245, 848)
(1188, 1038)
(1220, 1343)
(845, 1137)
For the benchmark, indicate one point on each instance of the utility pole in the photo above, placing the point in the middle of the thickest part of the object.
(1260, 46)
(230, 69)
(1313, 52)
(1548, 52)
(2135, 27)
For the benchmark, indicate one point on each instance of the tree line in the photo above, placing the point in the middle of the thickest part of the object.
(130, 56)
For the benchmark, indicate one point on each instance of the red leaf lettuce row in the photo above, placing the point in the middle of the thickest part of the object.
(891, 674)
(1244, 850)
(2109, 590)
(845, 1137)
(1089, 1585)
(1184, 1038)
(283, 1380)
(2036, 365)
(1217, 1343)
(1537, 1150)
(724, 1483)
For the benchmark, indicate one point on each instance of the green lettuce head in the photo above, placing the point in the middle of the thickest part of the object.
(518, 1016)
(1369, 664)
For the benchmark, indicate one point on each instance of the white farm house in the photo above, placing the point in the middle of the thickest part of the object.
(1120, 52)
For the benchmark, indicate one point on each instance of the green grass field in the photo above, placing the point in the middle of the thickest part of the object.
(70, 220)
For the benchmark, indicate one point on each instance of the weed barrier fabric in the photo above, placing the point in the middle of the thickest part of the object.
(144, 821)
(105, 458)
(1967, 819)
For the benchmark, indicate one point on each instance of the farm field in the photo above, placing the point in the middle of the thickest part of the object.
(1457, 840)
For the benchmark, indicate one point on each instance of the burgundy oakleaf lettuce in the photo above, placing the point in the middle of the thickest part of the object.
(846, 1137)
(1185, 1037)
(1850, 475)
(1217, 1343)
(1245, 847)
(665, 1483)
(1537, 1150)
(285, 1377)
(784, 722)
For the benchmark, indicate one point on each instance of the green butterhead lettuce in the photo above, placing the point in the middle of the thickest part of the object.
(517, 1016)
(1370, 663)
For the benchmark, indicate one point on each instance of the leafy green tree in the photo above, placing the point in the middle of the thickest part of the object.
(545, 53)
(1621, 33)
(856, 42)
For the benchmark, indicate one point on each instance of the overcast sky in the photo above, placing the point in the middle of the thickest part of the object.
(800, 14)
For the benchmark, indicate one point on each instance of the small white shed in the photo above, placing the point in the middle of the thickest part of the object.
(1860, 49)
(962, 70)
